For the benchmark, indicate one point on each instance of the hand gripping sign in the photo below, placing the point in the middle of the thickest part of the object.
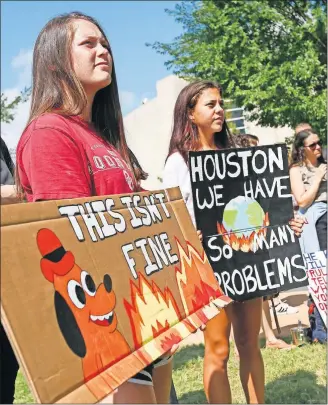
(94, 289)
(242, 205)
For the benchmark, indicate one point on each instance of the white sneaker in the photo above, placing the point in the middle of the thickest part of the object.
(282, 308)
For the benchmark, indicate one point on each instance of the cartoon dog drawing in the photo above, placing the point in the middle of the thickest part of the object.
(85, 313)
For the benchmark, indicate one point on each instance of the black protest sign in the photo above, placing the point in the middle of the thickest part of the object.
(242, 202)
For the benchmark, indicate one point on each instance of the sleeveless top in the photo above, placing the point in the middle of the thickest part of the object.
(308, 174)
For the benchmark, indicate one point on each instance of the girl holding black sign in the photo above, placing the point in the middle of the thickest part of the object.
(199, 124)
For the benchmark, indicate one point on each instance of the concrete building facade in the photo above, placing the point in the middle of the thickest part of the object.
(148, 129)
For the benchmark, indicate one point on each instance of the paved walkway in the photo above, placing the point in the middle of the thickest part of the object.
(295, 298)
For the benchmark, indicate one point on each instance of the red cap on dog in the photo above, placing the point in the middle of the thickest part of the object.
(55, 258)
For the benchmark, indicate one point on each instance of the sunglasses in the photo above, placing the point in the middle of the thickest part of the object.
(314, 145)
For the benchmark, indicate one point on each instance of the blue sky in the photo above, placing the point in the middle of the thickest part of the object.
(128, 26)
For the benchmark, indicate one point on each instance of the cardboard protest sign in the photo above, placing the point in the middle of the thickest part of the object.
(242, 205)
(94, 289)
(316, 267)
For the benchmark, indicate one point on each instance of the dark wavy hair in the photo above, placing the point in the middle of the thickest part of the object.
(57, 88)
(247, 140)
(185, 135)
(297, 157)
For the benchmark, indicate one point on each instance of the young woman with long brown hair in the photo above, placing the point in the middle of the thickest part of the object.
(308, 178)
(199, 124)
(74, 144)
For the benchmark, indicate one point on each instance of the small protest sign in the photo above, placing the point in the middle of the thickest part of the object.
(242, 205)
(94, 289)
(316, 264)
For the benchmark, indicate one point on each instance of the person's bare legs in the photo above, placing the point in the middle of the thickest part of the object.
(267, 323)
(162, 379)
(109, 399)
(246, 321)
(216, 335)
(271, 340)
(131, 393)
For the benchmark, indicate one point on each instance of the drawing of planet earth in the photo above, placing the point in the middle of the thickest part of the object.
(243, 214)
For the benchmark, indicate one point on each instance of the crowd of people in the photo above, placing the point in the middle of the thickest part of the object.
(76, 117)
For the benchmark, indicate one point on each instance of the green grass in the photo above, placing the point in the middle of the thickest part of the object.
(22, 392)
(295, 377)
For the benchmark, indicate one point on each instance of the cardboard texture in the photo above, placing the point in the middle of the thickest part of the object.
(242, 205)
(316, 264)
(94, 289)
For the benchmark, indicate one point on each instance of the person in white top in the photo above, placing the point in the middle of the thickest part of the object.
(199, 124)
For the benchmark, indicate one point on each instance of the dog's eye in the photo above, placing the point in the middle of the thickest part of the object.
(108, 283)
(88, 284)
(76, 294)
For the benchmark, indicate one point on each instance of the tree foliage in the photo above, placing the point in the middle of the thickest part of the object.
(8, 109)
(269, 55)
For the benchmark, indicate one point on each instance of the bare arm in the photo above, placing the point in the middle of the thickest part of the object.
(305, 198)
(8, 194)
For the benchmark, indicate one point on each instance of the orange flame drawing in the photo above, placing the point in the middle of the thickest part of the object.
(156, 321)
(149, 303)
(244, 243)
(169, 341)
(196, 281)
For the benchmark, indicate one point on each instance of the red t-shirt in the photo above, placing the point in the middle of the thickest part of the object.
(63, 157)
